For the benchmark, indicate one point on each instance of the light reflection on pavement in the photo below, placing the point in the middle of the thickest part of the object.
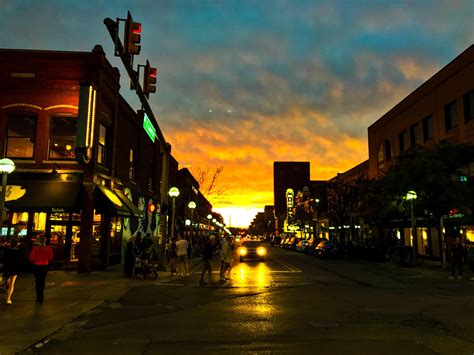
(251, 275)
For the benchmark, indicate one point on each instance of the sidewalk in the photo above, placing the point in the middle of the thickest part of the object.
(67, 296)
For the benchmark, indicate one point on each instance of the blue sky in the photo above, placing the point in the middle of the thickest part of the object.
(245, 83)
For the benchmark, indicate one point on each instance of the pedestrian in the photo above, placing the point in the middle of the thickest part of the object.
(207, 254)
(40, 256)
(457, 251)
(129, 261)
(11, 268)
(470, 259)
(171, 251)
(226, 259)
(182, 254)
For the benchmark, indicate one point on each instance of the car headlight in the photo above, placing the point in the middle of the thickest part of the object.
(261, 251)
(243, 251)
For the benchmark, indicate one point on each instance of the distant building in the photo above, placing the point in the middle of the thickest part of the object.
(288, 175)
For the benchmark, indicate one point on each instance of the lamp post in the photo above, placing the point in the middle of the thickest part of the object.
(209, 217)
(6, 167)
(173, 193)
(316, 229)
(411, 196)
(192, 206)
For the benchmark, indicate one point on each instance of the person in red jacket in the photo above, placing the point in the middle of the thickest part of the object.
(40, 256)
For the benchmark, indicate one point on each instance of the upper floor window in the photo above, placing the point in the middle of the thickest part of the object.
(469, 106)
(450, 116)
(21, 132)
(427, 128)
(403, 141)
(62, 137)
(380, 153)
(415, 136)
(388, 150)
(131, 169)
(101, 147)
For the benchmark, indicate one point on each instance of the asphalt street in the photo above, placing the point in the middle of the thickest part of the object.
(291, 303)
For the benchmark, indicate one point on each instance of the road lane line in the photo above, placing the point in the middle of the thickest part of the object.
(287, 265)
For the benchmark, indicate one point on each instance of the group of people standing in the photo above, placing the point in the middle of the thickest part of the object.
(141, 258)
(208, 251)
(40, 257)
(461, 253)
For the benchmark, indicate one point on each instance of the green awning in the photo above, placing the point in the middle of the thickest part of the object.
(43, 195)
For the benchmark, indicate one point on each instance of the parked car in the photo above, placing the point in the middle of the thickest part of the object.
(294, 241)
(327, 249)
(301, 246)
(312, 244)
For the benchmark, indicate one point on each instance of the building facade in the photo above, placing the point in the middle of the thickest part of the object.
(86, 206)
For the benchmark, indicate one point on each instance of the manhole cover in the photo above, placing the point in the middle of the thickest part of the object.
(324, 324)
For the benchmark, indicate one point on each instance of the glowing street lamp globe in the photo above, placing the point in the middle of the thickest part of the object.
(192, 205)
(7, 166)
(209, 217)
(173, 192)
(411, 195)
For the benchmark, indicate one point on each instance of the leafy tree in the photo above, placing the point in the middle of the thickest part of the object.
(433, 173)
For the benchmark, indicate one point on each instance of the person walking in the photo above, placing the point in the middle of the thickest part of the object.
(40, 256)
(129, 261)
(207, 254)
(11, 268)
(457, 251)
(171, 252)
(226, 259)
(182, 253)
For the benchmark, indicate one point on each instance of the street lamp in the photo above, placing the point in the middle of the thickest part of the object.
(173, 193)
(316, 229)
(192, 206)
(6, 167)
(411, 196)
(209, 217)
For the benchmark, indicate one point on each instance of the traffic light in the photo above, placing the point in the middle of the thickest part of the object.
(149, 79)
(151, 207)
(133, 32)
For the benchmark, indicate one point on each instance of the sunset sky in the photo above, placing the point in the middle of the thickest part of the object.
(245, 83)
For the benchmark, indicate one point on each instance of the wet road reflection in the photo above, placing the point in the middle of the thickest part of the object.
(251, 275)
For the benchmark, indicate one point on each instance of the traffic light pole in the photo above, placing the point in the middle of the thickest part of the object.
(127, 61)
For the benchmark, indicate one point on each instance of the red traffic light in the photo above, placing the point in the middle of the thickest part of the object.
(151, 207)
(132, 36)
(149, 79)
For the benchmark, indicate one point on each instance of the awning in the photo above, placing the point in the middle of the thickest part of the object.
(134, 209)
(43, 195)
(107, 201)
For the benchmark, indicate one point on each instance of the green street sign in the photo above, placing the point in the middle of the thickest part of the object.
(148, 126)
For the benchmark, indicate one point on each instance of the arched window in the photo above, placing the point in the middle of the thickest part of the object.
(21, 132)
(388, 150)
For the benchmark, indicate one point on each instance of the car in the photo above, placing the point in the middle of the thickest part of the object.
(312, 244)
(294, 241)
(301, 246)
(252, 249)
(327, 249)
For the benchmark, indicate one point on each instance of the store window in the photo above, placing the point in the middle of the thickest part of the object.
(131, 170)
(101, 147)
(427, 128)
(115, 235)
(469, 106)
(62, 137)
(21, 130)
(450, 116)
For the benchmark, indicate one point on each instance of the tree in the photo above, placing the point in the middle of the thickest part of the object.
(344, 201)
(433, 173)
(208, 180)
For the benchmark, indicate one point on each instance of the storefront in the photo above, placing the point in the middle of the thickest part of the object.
(53, 208)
